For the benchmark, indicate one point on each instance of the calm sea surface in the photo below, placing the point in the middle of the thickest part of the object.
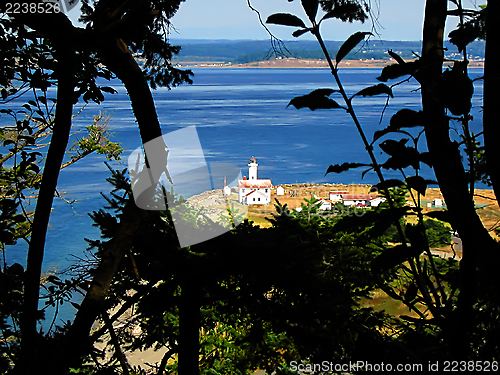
(239, 113)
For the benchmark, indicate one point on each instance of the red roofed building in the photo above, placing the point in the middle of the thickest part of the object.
(336, 196)
(253, 190)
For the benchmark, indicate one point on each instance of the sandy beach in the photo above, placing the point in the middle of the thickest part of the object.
(301, 63)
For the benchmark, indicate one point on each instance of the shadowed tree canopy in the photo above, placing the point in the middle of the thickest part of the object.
(46, 49)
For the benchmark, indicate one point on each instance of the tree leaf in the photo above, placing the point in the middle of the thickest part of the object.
(465, 34)
(416, 236)
(396, 57)
(391, 258)
(314, 102)
(346, 12)
(349, 44)
(411, 292)
(417, 183)
(394, 71)
(33, 167)
(392, 147)
(454, 90)
(331, 14)
(300, 32)
(325, 92)
(401, 155)
(53, 278)
(317, 99)
(379, 89)
(406, 118)
(339, 168)
(29, 139)
(409, 157)
(285, 19)
(311, 8)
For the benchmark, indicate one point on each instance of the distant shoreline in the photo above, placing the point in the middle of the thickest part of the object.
(292, 63)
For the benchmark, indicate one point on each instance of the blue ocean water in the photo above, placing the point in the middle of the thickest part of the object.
(239, 113)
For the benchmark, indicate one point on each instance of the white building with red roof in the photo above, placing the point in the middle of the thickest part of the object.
(336, 196)
(324, 204)
(253, 190)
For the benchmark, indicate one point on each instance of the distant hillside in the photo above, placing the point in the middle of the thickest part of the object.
(246, 51)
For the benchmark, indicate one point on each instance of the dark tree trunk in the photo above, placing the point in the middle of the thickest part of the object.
(491, 96)
(119, 60)
(60, 136)
(58, 29)
(479, 249)
(189, 328)
(448, 167)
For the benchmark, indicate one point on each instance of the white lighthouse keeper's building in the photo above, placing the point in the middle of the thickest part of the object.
(253, 190)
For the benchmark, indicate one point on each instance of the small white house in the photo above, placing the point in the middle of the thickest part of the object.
(324, 204)
(256, 197)
(254, 190)
(437, 202)
(226, 190)
(336, 196)
(280, 190)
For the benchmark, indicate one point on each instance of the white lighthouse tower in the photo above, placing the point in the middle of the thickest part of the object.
(252, 169)
(253, 190)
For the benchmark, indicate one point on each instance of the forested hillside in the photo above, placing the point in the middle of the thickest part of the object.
(245, 51)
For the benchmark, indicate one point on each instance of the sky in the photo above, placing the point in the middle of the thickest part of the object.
(233, 19)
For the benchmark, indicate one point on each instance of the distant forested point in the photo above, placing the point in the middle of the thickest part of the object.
(247, 51)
